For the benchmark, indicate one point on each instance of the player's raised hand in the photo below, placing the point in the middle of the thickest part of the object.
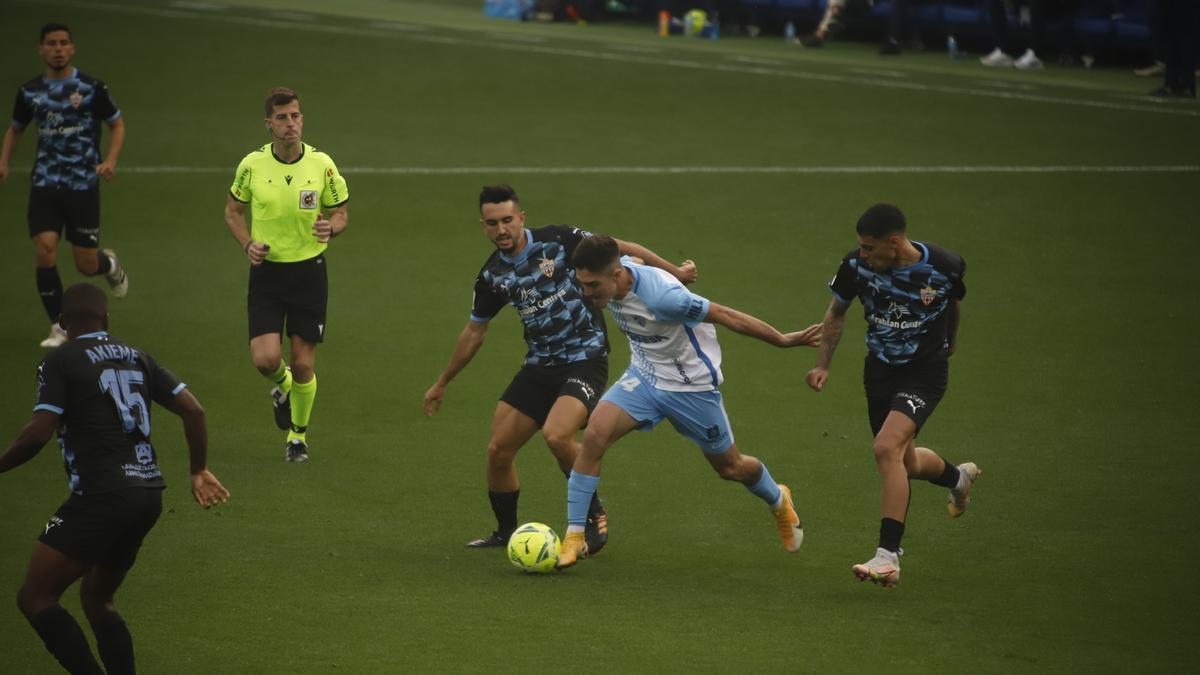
(433, 398)
(688, 272)
(816, 378)
(322, 230)
(207, 490)
(809, 337)
(107, 170)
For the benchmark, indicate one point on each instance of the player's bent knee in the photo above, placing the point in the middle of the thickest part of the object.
(888, 452)
(266, 364)
(500, 456)
(561, 444)
(31, 602)
(730, 472)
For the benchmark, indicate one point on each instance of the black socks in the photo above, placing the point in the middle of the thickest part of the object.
(504, 505)
(115, 644)
(50, 289)
(949, 477)
(65, 640)
(890, 533)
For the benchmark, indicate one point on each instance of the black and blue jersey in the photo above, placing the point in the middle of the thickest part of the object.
(560, 327)
(102, 388)
(905, 307)
(68, 115)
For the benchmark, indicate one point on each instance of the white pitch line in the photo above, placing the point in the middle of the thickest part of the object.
(684, 170)
(874, 71)
(516, 37)
(632, 58)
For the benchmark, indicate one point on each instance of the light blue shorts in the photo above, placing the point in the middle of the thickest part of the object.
(698, 415)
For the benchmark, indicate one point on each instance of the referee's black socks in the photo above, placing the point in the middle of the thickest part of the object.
(65, 640)
(50, 289)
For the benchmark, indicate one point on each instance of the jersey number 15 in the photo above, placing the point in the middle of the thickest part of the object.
(125, 388)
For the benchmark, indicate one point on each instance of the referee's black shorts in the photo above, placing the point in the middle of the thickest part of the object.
(913, 389)
(295, 292)
(52, 209)
(534, 389)
(104, 529)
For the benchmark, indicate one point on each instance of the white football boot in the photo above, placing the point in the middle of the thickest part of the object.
(56, 338)
(960, 495)
(882, 570)
(997, 59)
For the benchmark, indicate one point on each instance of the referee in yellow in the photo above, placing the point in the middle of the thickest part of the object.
(297, 203)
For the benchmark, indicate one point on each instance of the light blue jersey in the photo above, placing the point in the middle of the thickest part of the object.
(672, 348)
(676, 360)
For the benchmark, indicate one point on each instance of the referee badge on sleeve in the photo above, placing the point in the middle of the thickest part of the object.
(308, 199)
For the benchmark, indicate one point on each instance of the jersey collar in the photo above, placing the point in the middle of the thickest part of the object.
(73, 76)
(924, 256)
(524, 251)
(94, 334)
(303, 149)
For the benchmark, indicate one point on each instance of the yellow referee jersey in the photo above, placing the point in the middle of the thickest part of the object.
(286, 199)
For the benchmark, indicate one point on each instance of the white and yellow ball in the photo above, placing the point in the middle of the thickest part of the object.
(534, 548)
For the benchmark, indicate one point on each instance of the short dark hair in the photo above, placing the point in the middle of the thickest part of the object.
(596, 254)
(84, 303)
(280, 96)
(881, 220)
(498, 194)
(52, 27)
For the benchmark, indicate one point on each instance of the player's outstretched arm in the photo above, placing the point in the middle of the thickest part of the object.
(206, 489)
(740, 322)
(31, 439)
(831, 333)
(685, 272)
(469, 342)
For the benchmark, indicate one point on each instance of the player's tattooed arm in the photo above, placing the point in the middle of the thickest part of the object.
(831, 334)
(685, 272)
(31, 439)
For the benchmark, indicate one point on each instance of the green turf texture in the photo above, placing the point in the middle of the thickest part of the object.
(1072, 387)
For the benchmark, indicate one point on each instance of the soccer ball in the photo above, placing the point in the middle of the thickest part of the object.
(534, 548)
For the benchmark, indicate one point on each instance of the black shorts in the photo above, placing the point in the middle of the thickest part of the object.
(51, 209)
(104, 529)
(297, 291)
(914, 389)
(534, 389)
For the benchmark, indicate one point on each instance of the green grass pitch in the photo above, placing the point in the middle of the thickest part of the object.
(1073, 386)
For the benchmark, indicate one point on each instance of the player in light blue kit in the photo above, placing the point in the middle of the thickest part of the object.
(674, 375)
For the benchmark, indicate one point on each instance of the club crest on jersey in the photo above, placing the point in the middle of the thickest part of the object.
(928, 295)
(547, 267)
(76, 99)
(308, 199)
